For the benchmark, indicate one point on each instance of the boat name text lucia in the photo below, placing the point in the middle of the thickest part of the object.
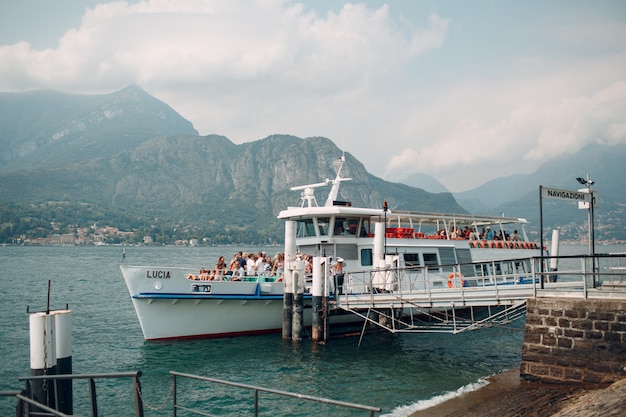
(158, 274)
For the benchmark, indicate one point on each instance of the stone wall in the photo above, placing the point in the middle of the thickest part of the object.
(574, 341)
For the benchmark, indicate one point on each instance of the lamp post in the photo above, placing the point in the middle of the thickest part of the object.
(592, 245)
(385, 208)
(588, 183)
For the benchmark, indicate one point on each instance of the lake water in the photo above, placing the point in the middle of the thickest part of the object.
(399, 373)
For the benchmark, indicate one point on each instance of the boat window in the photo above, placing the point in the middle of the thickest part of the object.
(322, 225)
(522, 267)
(305, 228)
(352, 225)
(324, 249)
(366, 257)
(507, 268)
(430, 260)
(340, 227)
(464, 257)
(366, 228)
(481, 270)
(412, 259)
(346, 251)
(309, 250)
(447, 258)
(489, 269)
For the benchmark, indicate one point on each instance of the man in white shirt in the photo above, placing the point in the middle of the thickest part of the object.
(259, 264)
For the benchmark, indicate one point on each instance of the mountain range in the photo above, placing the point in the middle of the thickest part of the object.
(515, 194)
(130, 159)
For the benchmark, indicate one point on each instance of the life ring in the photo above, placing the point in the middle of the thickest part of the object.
(455, 276)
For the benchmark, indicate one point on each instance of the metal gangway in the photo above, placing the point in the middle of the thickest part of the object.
(460, 297)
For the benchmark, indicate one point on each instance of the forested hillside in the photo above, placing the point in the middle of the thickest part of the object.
(129, 161)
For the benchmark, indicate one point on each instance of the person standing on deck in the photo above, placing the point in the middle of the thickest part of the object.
(239, 273)
(251, 264)
(338, 275)
(220, 268)
(241, 259)
(259, 265)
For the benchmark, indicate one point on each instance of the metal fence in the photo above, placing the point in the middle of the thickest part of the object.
(255, 390)
(28, 405)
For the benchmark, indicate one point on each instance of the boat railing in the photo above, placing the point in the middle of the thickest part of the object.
(574, 273)
(442, 277)
(264, 277)
(479, 294)
(408, 232)
(255, 390)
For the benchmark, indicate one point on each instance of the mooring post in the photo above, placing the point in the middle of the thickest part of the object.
(63, 324)
(297, 327)
(290, 255)
(43, 358)
(554, 261)
(379, 279)
(320, 301)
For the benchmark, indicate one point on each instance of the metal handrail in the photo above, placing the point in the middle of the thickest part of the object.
(135, 374)
(92, 389)
(494, 283)
(50, 411)
(258, 389)
(409, 278)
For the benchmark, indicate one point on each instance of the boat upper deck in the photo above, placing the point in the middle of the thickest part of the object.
(343, 220)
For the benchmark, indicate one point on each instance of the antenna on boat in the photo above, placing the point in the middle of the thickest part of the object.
(308, 194)
(334, 191)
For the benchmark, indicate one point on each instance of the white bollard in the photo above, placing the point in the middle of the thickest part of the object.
(63, 324)
(43, 358)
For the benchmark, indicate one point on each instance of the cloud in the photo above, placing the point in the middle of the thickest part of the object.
(245, 69)
(530, 135)
(463, 94)
(159, 42)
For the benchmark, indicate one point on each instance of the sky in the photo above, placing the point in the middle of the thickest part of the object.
(464, 91)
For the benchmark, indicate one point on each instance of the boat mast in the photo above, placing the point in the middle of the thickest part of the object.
(334, 191)
(308, 194)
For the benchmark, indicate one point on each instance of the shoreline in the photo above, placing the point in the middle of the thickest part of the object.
(506, 395)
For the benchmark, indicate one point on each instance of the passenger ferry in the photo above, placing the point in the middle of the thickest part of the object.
(442, 255)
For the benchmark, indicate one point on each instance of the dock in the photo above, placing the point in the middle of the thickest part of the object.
(506, 293)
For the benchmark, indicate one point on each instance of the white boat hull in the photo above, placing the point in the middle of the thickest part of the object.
(177, 318)
(170, 306)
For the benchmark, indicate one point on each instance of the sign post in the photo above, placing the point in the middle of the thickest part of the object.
(584, 198)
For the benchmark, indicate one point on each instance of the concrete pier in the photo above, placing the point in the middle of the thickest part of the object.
(570, 340)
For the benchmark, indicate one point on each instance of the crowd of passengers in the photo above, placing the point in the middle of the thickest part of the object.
(242, 265)
(484, 234)
(254, 265)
